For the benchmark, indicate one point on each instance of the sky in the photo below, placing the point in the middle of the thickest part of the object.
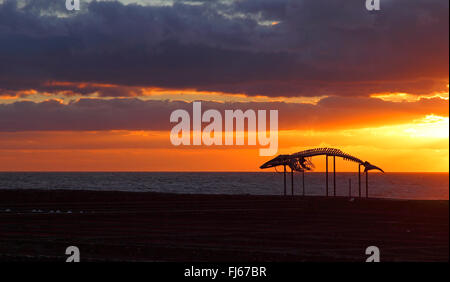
(93, 90)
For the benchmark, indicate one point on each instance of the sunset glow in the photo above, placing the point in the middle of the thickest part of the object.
(421, 146)
(347, 81)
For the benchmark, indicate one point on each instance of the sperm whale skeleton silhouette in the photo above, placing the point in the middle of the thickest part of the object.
(301, 162)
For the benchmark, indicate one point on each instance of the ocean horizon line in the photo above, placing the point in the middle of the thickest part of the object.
(193, 171)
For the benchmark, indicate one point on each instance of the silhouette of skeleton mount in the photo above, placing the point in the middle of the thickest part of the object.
(301, 161)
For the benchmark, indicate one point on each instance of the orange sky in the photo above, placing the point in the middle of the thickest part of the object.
(418, 146)
(94, 90)
(397, 141)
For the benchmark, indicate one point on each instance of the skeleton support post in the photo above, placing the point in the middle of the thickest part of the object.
(292, 181)
(326, 173)
(359, 179)
(367, 184)
(303, 180)
(285, 180)
(334, 175)
(349, 187)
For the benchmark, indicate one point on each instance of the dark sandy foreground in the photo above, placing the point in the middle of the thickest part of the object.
(116, 226)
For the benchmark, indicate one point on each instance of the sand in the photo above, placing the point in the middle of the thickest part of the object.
(121, 226)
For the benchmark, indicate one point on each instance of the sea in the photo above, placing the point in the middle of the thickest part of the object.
(426, 186)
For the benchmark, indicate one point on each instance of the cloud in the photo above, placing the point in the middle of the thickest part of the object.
(134, 114)
(318, 48)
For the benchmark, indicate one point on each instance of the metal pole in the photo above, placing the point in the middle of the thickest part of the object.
(285, 180)
(359, 179)
(367, 184)
(303, 180)
(326, 172)
(334, 175)
(292, 181)
(349, 187)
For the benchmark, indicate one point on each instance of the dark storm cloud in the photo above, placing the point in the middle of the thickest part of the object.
(134, 114)
(318, 48)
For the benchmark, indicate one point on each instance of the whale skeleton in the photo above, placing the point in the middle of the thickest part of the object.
(301, 161)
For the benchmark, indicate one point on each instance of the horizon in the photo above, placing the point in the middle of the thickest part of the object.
(206, 171)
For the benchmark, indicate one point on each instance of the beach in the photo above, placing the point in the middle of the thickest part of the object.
(131, 226)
